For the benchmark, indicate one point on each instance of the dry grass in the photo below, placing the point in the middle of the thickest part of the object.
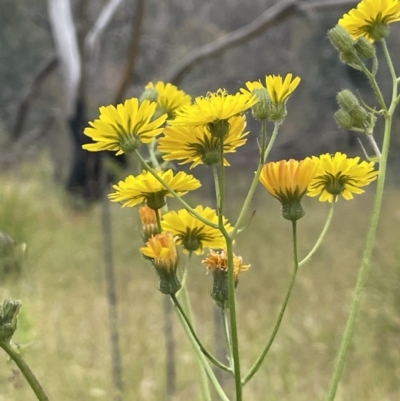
(65, 310)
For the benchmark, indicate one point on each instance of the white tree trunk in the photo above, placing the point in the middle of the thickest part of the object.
(65, 40)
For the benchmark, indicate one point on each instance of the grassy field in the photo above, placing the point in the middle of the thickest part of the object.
(65, 311)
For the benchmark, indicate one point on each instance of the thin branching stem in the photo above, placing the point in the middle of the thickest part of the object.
(26, 371)
(254, 369)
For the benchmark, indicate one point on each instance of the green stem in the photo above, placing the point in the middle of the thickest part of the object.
(232, 315)
(263, 157)
(216, 185)
(321, 236)
(366, 261)
(374, 85)
(26, 371)
(391, 69)
(190, 333)
(196, 338)
(174, 194)
(152, 153)
(264, 353)
(227, 336)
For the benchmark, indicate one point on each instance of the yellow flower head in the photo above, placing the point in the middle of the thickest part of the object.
(218, 106)
(196, 145)
(339, 175)
(169, 97)
(279, 90)
(162, 249)
(125, 127)
(162, 252)
(218, 260)
(145, 188)
(148, 218)
(370, 18)
(192, 233)
(272, 97)
(287, 181)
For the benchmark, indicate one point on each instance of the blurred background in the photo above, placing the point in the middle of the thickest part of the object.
(50, 200)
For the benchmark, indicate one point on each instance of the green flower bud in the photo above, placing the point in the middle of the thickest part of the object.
(149, 94)
(220, 290)
(346, 100)
(262, 109)
(8, 319)
(343, 119)
(341, 40)
(364, 47)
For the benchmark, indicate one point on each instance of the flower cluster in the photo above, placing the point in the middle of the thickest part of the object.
(203, 132)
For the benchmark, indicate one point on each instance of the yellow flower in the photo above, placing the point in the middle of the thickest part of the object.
(192, 233)
(145, 188)
(125, 127)
(162, 249)
(280, 89)
(196, 145)
(148, 218)
(169, 97)
(287, 181)
(273, 96)
(219, 260)
(162, 252)
(218, 106)
(339, 175)
(370, 18)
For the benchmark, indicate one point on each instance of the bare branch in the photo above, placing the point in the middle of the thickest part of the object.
(137, 24)
(269, 18)
(101, 24)
(44, 70)
(65, 40)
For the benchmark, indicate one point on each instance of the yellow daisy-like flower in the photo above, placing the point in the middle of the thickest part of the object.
(214, 108)
(162, 252)
(192, 233)
(288, 181)
(196, 145)
(162, 249)
(279, 89)
(273, 96)
(145, 188)
(125, 127)
(370, 18)
(339, 175)
(169, 97)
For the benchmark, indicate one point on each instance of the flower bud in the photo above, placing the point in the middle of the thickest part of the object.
(262, 109)
(150, 94)
(8, 319)
(148, 218)
(364, 47)
(346, 100)
(220, 289)
(343, 119)
(350, 104)
(341, 40)
(162, 252)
